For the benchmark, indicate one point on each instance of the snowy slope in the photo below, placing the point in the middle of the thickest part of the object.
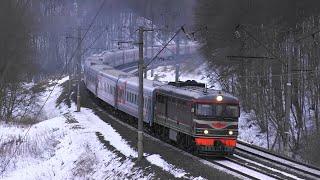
(67, 146)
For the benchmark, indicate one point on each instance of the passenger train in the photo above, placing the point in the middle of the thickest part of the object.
(202, 120)
(119, 57)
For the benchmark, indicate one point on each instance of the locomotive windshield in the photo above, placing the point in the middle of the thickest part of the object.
(212, 110)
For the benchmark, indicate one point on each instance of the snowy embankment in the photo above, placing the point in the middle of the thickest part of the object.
(67, 146)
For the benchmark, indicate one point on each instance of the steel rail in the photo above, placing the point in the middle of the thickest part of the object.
(301, 168)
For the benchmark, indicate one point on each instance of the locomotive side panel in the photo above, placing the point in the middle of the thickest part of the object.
(173, 112)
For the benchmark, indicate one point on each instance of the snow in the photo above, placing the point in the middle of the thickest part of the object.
(66, 146)
(250, 132)
(199, 74)
(272, 169)
(54, 90)
(158, 161)
(243, 169)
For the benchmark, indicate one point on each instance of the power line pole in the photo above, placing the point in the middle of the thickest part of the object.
(140, 97)
(141, 68)
(289, 90)
(68, 65)
(79, 70)
(145, 53)
(140, 107)
(177, 59)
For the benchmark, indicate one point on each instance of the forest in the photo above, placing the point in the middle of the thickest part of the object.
(251, 44)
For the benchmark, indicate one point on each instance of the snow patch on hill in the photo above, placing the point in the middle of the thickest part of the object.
(67, 146)
(196, 72)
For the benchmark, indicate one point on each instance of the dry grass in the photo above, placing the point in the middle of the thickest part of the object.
(84, 166)
(16, 147)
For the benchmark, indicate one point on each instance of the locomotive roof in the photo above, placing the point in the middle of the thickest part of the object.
(197, 93)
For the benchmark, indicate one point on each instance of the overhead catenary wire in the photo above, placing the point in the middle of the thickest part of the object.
(165, 46)
(94, 41)
(279, 75)
(51, 91)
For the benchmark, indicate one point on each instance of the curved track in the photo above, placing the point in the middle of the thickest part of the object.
(241, 165)
(248, 162)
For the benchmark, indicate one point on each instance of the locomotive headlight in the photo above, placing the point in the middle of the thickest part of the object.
(219, 98)
(205, 131)
(230, 132)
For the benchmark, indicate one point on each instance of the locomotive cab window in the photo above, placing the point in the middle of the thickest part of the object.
(232, 111)
(212, 110)
(205, 110)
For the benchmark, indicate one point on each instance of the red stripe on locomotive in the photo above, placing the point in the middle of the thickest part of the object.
(210, 141)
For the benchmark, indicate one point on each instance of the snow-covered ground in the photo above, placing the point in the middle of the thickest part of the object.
(187, 72)
(66, 146)
(250, 132)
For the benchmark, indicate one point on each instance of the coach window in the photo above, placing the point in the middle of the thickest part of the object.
(136, 99)
(129, 97)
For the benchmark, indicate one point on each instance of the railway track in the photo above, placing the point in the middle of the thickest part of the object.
(284, 164)
(248, 162)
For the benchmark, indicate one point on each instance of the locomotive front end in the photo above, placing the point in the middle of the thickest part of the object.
(215, 124)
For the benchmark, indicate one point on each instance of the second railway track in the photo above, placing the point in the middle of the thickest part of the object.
(284, 164)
